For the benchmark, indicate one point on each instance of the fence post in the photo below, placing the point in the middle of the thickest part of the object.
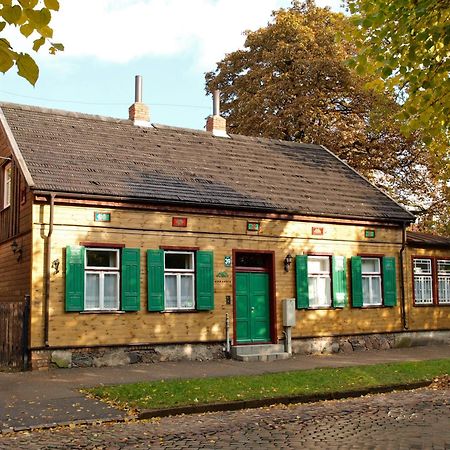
(25, 329)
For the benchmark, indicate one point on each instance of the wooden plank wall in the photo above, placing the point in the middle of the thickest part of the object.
(149, 230)
(424, 317)
(15, 224)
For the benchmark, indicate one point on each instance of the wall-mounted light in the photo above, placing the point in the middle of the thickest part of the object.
(17, 250)
(287, 262)
(55, 265)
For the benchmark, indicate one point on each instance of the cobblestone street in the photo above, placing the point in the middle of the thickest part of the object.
(402, 420)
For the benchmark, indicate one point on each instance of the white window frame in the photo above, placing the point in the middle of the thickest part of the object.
(7, 181)
(372, 276)
(421, 279)
(102, 271)
(316, 276)
(445, 278)
(178, 273)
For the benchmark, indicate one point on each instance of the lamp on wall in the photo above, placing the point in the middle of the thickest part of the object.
(17, 250)
(287, 262)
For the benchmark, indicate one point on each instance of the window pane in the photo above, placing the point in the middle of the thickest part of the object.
(179, 261)
(92, 291)
(443, 267)
(170, 291)
(422, 266)
(444, 289)
(376, 291)
(111, 291)
(319, 289)
(423, 292)
(318, 264)
(102, 258)
(370, 265)
(187, 291)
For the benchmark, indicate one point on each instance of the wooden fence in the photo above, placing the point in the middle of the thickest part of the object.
(14, 318)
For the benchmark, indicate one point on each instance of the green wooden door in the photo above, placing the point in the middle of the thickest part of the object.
(252, 307)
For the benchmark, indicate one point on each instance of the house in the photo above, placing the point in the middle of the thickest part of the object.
(142, 242)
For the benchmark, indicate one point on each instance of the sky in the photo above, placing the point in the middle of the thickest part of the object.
(171, 43)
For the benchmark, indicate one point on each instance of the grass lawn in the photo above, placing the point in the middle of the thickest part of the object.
(169, 393)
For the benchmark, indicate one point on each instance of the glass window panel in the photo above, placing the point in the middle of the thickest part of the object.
(102, 258)
(444, 289)
(443, 267)
(422, 266)
(318, 264)
(92, 300)
(376, 291)
(111, 291)
(170, 291)
(180, 261)
(370, 265)
(187, 291)
(423, 289)
(366, 289)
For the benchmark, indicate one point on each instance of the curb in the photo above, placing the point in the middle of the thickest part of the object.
(252, 404)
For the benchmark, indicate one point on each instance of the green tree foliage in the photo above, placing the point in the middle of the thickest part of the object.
(407, 44)
(292, 81)
(32, 18)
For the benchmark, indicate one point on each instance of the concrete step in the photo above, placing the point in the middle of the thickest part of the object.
(257, 349)
(262, 357)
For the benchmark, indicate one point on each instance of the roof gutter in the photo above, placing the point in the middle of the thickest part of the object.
(48, 249)
(402, 278)
(15, 149)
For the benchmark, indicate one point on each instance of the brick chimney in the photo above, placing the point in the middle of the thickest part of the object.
(139, 112)
(216, 124)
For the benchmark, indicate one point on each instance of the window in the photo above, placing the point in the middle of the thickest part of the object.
(374, 281)
(319, 281)
(7, 175)
(371, 281)
(423, 281)
(179, 274)
(102, 279)
(180, 280)
(443, 270)
(431, 281)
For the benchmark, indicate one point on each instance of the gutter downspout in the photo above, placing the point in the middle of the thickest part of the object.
(48, 246)
(402, 278)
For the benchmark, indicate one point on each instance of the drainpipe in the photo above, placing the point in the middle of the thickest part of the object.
(402, 278)
(48, 246)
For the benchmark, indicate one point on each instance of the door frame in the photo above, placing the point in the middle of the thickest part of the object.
(272, 292)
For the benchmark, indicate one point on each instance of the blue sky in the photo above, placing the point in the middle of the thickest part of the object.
(171, 43)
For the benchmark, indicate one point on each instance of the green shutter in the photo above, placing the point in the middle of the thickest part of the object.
(131, 279)
(74, 279)
(155, 278)
(339, 281)
(301, 278)
(205, 281)
(357, 294)
(389, 281)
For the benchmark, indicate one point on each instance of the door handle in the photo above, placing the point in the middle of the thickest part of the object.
(252, 308)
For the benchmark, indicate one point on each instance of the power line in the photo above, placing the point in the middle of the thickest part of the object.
(172, 105)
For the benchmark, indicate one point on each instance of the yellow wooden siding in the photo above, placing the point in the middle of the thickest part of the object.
(150, 230)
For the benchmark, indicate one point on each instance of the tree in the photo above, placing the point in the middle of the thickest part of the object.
(292, 81)
(31, 17)
(407, 44)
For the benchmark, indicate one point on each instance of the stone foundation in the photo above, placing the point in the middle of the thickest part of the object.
(346, 344)
(118, 356)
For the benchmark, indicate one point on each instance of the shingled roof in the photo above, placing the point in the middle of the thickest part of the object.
(416, 239)
(86, 154)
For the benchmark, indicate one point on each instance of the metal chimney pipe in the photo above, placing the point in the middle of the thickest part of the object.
(138, 89)
(216, 102)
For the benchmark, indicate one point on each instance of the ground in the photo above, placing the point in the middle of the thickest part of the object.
(417, 419)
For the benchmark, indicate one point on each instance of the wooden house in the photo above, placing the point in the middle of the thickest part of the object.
(141, 242)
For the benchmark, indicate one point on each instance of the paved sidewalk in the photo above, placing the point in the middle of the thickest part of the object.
(32, 399)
